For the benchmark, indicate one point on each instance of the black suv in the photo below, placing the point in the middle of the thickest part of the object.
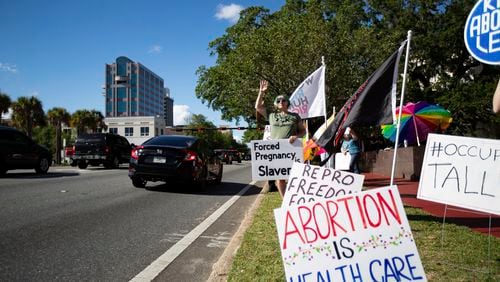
(101, 148)
(18, 151)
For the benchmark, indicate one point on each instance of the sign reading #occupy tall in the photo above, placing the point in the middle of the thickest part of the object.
(461, 171)
(482, 32)
(273, 159)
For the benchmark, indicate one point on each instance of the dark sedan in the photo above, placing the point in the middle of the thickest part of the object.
(18, 151)
(174, 158)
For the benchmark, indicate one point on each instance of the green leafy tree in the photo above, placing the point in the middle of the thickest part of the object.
(5, 104)
(354, 37)
(87, 121)
(57, 117)
(27, 112)
(45, 135)
(202, 128)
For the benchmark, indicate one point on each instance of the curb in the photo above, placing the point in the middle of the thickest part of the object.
(221, 269)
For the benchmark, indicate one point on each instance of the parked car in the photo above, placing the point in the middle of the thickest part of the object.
(224, 155)
(18, 151)
(174, 158)
(101, 148)
(235, 155)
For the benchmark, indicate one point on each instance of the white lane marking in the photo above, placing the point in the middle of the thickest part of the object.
(157, 266)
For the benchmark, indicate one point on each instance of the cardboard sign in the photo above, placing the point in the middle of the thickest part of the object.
(342, 161)
(461, 171)
(273, 159)
(482, 32)
(267, 133)
(310, 183)
(359, 237)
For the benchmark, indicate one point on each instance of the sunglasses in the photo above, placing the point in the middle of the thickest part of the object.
(281, 101)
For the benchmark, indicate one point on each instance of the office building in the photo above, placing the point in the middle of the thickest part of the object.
(131, 89)
(136, 101)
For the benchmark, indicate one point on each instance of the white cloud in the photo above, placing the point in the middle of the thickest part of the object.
(35, 93)
(181, 114)
(8, 67)
(155, 49)
(229, 12)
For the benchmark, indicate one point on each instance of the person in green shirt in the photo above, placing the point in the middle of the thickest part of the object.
(284, 124)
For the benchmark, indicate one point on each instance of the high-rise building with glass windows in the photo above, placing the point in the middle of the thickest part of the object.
(133, 90)
(135, 101)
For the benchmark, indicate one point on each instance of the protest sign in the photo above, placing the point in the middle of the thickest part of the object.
(273, 159)
(360, 237)
(309, 183)
(267, 133)
(482, 32)
(342, 161)
(461, 171)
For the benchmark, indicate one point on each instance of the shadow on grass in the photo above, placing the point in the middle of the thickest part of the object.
(471, 222)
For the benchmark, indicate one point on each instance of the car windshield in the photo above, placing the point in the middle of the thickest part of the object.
(169, 140)
(90, 138)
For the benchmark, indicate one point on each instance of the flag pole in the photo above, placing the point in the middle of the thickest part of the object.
(324, 81)
(401, 106)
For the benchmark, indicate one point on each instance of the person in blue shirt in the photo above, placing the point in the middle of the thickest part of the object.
(350, 144)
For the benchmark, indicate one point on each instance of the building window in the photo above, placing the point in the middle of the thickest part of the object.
(144, 131)
(129, 131)
(113, 130)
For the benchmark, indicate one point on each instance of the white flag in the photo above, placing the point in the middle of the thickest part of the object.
(308, 100)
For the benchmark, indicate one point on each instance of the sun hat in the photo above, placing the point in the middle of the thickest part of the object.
(281, 97)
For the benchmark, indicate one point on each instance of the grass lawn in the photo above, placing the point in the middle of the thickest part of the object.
(461, 256)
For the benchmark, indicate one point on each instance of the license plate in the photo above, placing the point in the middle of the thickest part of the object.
(159, 160)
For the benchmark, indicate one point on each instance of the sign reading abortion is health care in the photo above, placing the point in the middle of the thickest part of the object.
(273, 159)
(310, 183)
(461, 171)
(358, 237)
(482, 32)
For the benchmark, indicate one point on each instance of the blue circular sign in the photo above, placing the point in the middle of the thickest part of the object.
(482, 32)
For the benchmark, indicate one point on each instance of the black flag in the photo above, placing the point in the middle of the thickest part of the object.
(372, 104)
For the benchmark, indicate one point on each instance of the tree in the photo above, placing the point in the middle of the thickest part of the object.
(354, 37)
(27, 112)
(57, 117)
(87, 120)
(206, 130)
(5, 104)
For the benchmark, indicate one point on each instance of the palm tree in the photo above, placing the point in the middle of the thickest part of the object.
(80, 120)
(5, 104)
(85, 120)
(98, 124)
(27, 112)
(58, 116)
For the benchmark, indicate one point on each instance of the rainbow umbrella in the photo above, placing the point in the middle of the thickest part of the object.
(417, 121)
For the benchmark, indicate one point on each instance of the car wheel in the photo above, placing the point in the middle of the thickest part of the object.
(139, 182)
(82, 165)
(116, 162)
(42, 165)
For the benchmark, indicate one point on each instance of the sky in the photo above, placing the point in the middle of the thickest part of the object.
(57, 50)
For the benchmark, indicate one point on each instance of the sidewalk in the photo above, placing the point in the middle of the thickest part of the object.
(408, 189)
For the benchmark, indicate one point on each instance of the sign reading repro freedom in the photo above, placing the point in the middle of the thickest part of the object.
(310, 183)
(273, 159)
(461, 171)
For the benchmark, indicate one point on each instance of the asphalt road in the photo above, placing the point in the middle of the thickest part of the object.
(75, 225)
